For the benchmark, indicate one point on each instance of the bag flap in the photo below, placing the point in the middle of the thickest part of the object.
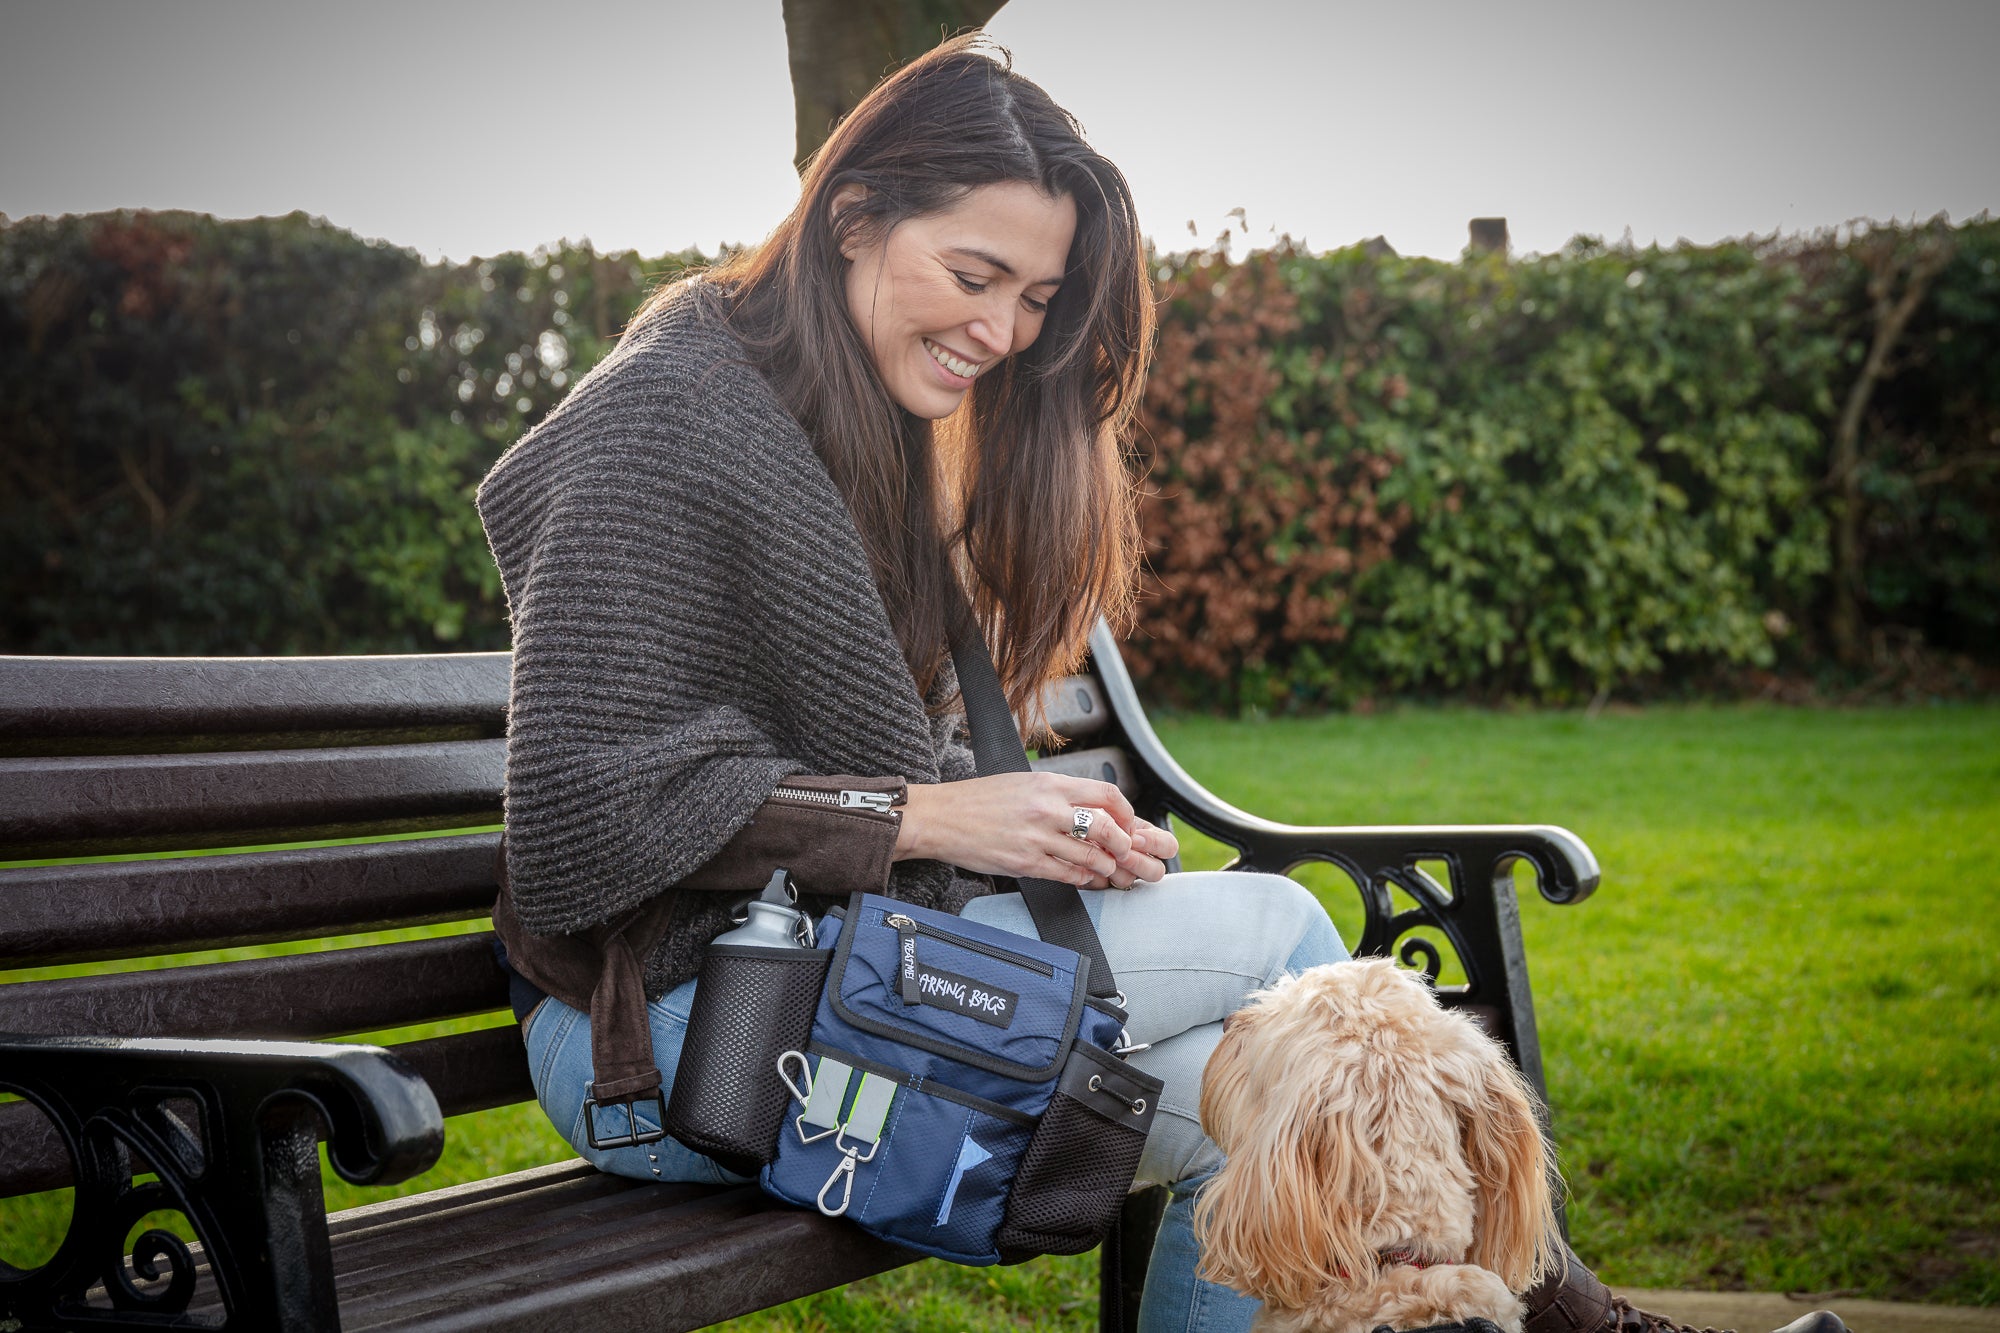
(998, 1002)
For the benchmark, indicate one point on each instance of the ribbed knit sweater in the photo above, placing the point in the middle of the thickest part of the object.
(694, 618)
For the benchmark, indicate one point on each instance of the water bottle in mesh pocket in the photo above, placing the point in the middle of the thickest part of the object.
(752, 1003)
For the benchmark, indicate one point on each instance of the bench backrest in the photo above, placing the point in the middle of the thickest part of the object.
(122, 756)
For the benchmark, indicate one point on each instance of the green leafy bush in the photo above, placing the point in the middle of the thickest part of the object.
(1367, 475)
(263, 436)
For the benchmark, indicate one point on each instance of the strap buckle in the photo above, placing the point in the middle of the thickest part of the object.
(634, 1136)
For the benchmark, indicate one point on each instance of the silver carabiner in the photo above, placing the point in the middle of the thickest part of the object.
(1123, 1046)
(804, 1095)
(805, 1075)
(843, 1173)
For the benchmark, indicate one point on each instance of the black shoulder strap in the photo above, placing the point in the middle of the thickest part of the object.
(996, 748)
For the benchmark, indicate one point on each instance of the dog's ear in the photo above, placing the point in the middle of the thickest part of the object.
(1285, 1214)
(1514, 1234)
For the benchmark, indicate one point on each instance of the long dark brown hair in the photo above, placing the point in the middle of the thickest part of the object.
(1047, 534)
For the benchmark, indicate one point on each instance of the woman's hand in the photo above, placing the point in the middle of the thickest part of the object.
(1018, 824)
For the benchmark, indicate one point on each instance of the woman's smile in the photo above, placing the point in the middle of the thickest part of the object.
(959, 371)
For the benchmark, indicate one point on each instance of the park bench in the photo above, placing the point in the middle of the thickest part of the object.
(202, 1089)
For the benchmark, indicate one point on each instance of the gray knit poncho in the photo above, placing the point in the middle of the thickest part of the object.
(694, 618)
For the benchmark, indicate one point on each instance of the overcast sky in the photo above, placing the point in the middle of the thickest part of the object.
(464, 128)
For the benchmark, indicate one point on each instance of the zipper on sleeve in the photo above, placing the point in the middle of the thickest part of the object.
(881, 802)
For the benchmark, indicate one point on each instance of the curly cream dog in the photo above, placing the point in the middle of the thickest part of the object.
(1385, 1164)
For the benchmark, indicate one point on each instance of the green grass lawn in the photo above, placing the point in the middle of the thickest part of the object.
(1772, 1038)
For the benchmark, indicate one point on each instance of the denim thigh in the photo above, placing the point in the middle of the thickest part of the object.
(1188, 951)
(559, 1063)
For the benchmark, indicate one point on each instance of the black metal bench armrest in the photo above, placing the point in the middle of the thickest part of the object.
(1474, 916)
(230, 1129)
(1566, 870)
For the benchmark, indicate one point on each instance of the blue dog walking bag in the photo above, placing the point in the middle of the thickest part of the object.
(959, 1089)
(961, 1093)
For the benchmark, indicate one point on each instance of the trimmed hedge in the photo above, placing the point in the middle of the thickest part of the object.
(1551, 478)
(264, 436)
(1547, 479)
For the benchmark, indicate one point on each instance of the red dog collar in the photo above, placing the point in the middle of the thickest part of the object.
(1408, 1258)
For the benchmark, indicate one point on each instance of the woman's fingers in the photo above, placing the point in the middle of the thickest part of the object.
(1155, 842)
(1088, 853)
(1103, 796)
(1020, 823)
(1128, 862)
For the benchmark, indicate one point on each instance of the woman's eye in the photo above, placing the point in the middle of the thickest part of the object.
(970, 283)
(1039, 307)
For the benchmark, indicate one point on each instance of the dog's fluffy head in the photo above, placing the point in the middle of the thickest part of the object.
(1356, 1114)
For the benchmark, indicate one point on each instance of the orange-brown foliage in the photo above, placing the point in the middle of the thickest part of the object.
(1255, 529)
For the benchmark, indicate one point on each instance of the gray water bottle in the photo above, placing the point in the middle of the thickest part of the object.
(773, 919)
(759, 988)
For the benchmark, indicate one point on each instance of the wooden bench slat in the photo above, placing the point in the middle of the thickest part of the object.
(472, 1071)
(61, 699)
(1075, 707)
(518, 1189)
(309, 995)
(433, 1260)
(31, 1152)
(1104, 763)
(632, 1255)
(86, 913)
(80, 806)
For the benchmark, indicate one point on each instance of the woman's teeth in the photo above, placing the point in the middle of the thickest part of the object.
(962, 369)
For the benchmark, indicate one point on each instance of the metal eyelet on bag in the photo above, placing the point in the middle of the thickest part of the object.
(1137, 1105)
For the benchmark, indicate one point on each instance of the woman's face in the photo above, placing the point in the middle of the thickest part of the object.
(945, 297)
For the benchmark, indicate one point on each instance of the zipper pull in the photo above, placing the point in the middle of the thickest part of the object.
(879, 801)
(906, 964)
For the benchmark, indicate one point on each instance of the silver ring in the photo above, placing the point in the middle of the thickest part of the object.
(1080, 822)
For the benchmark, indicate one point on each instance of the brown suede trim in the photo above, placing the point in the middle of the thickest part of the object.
(828, 851)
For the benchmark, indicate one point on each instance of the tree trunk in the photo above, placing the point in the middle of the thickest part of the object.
(842, 48)
(1887, 262)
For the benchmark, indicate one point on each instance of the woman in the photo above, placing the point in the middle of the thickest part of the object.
(731, 555)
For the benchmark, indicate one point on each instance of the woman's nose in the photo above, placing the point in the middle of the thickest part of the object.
(994, 331)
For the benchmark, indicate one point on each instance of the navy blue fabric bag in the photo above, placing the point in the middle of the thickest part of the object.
(961, 1092)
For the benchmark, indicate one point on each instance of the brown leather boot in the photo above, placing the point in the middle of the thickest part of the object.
(1572, 1300)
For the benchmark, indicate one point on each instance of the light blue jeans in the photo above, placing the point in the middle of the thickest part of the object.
(1187, 952)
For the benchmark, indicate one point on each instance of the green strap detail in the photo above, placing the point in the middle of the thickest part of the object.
(871, 1108)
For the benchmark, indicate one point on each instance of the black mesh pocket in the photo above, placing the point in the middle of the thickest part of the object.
(752, 1003)
(1082, 1158)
